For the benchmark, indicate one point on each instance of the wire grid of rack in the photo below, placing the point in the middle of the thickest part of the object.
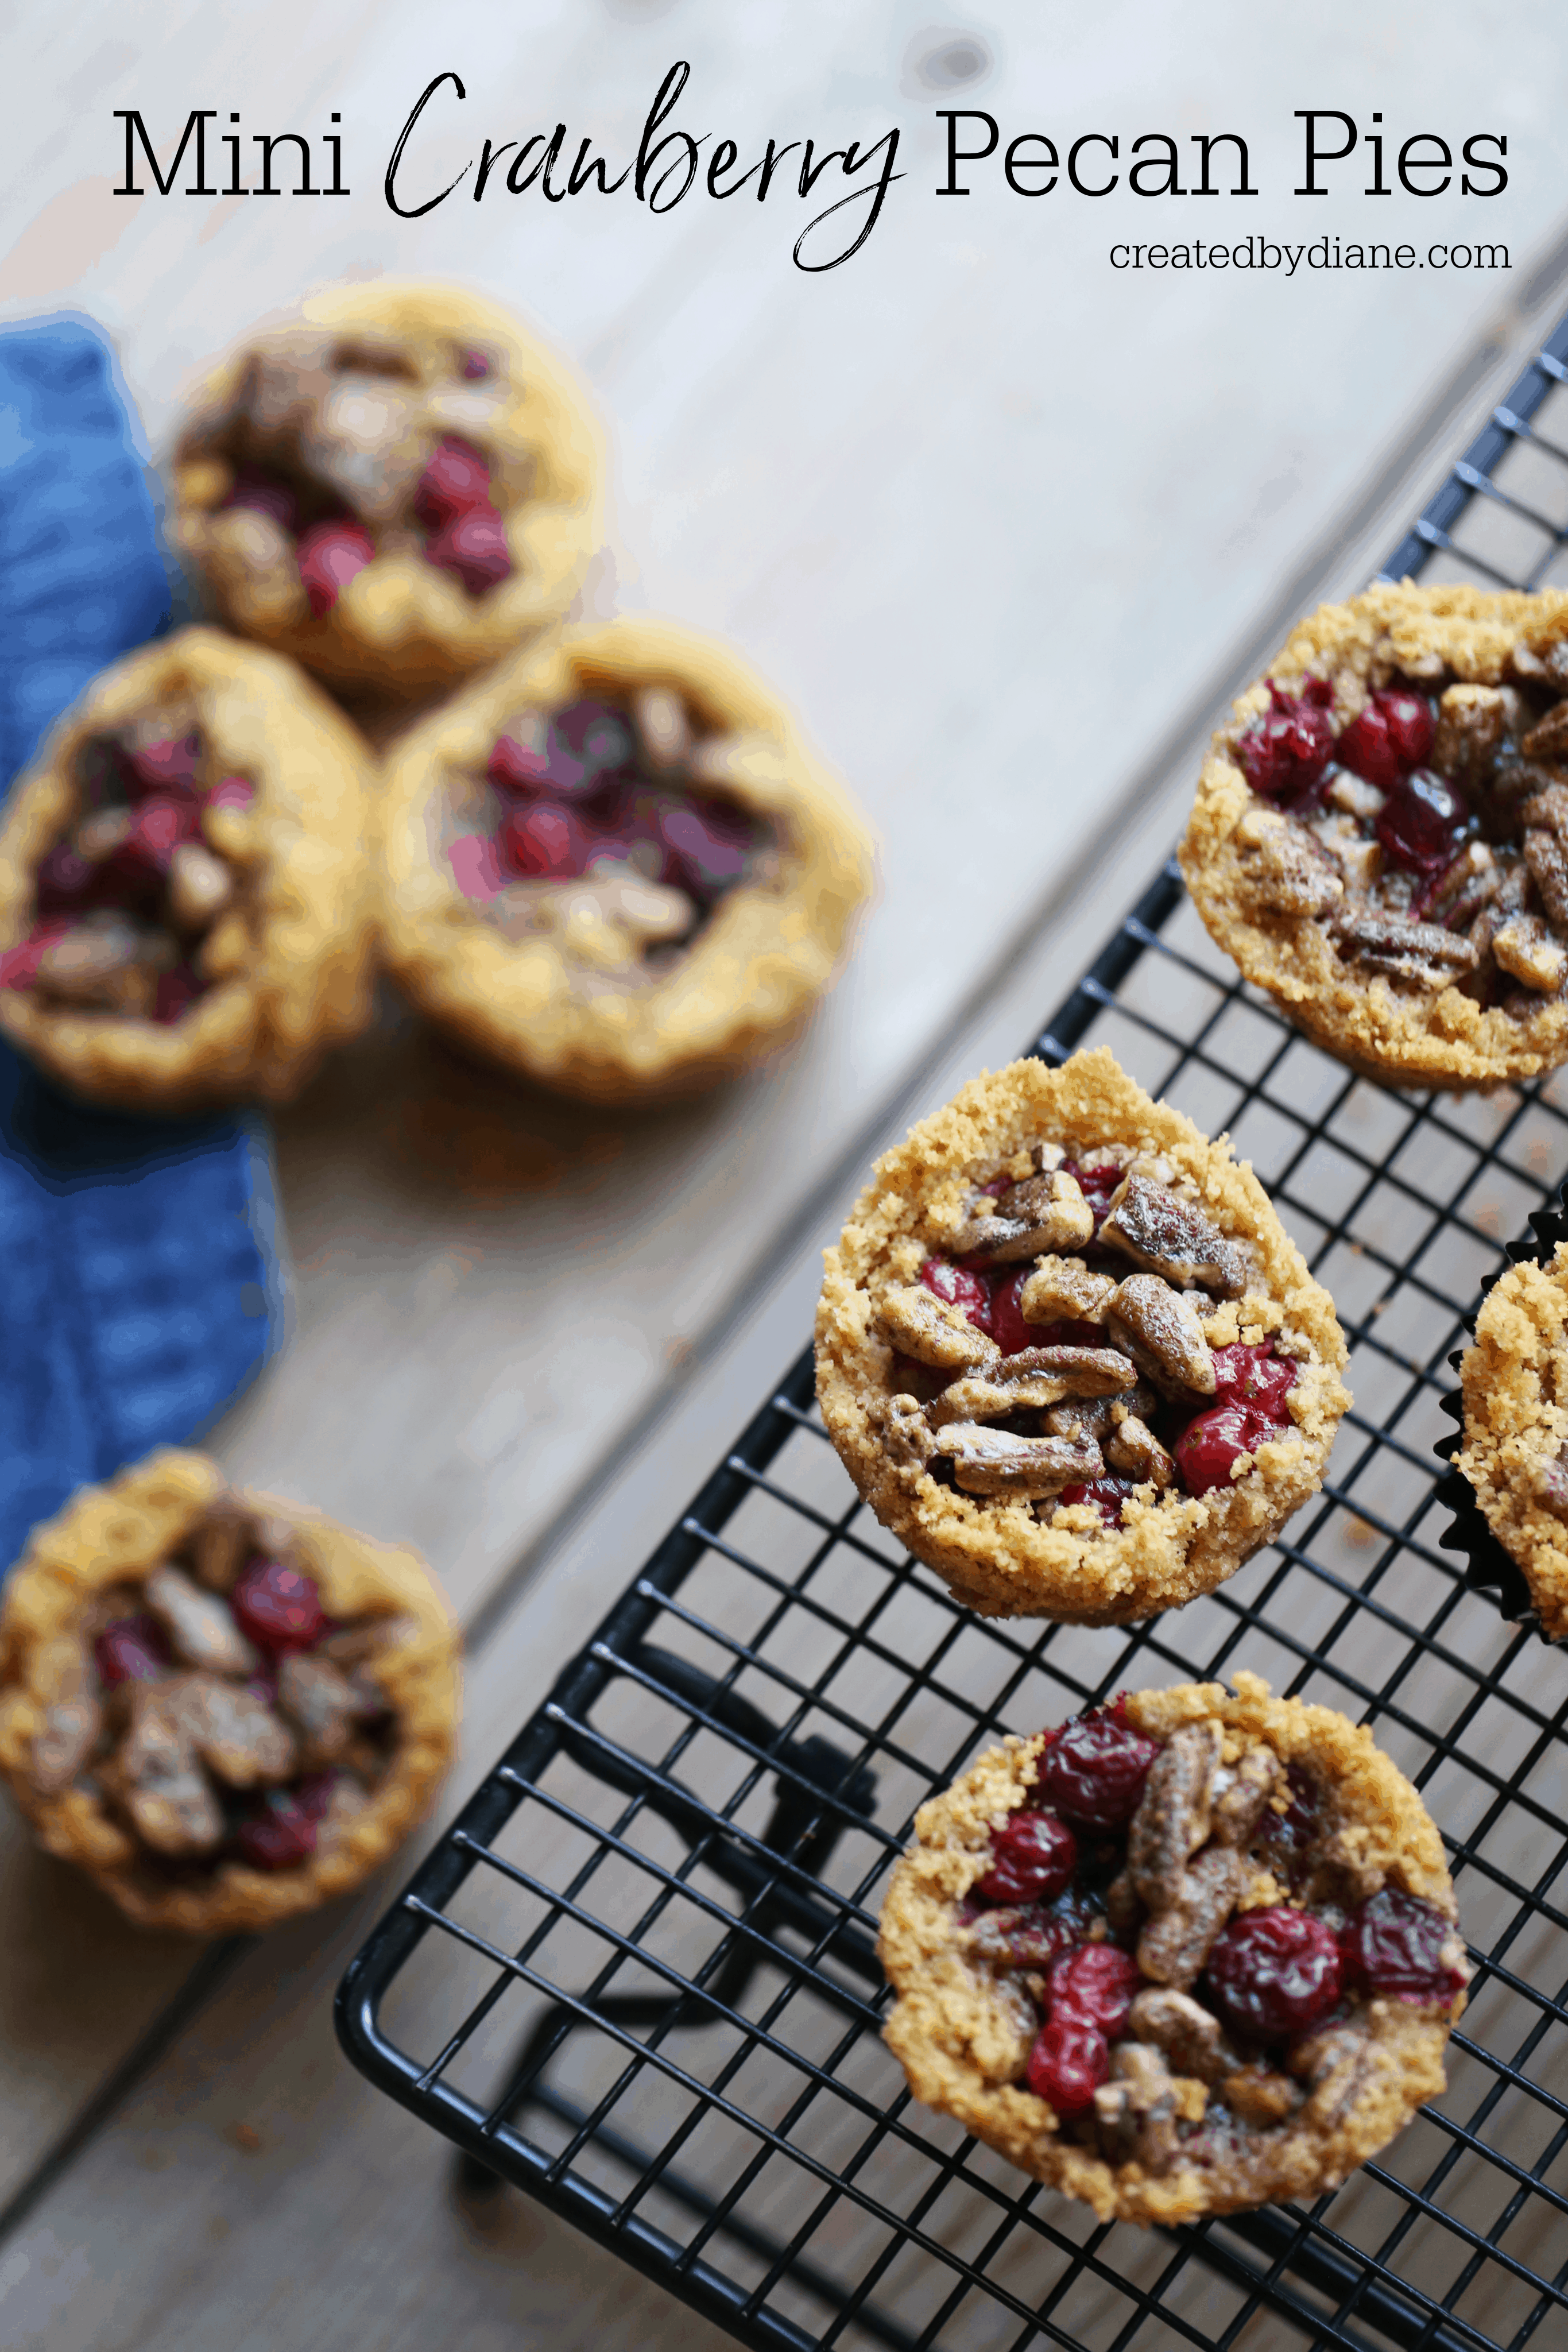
(638, 1979)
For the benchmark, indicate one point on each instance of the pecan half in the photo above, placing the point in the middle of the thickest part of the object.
(156, 1778)
(1261, 2097)
(1524, 947)
(1044, 1213)
(1175, 1946)
(1548, 872)
(1424, 953)
(1166, 1236)
(1548, 740)
(1193, 2039)
(200, 1628)
(1240, 1796)
(919, 1324)
(1172, 1818)
(1065, 1290)
(1290, 870)
(1030, 1381)
(1334, 2065)
(233, 1731)
(1160, 1331)
(1473, 721)
(73, 1717)
(993, 1461)
(1097, 1416)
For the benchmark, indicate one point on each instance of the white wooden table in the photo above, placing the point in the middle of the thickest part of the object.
(1008, 526)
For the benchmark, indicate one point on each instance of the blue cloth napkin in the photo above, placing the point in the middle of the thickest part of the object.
(138, 1283)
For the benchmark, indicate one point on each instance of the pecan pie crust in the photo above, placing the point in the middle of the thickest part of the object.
(298, 979)
(750, 973)
(120, 1533)
(1021, 1553)
(1397, 999)
(962, 2033)
(402, 627)
(1515, 1450)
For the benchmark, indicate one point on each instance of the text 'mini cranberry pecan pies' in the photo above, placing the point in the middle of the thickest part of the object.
(1068, 1353)
(395, 488)
(1380, 837)
(1514, 1449)
(225, 1709)
(1192, 1952)
(613, 863)
(186, 899)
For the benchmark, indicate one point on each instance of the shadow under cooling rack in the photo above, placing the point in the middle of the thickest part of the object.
(638, 1977)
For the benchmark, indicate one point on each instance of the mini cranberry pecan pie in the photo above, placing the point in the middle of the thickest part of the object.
(1514, 1451)
(225, 1709)
(1189, 1953)
(186, 899)
(394, 489)
(1381, 834)
(1068, 1353)
(613, 863)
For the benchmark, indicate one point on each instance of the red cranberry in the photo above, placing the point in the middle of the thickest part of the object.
(1008, 1329)
(1094, 1984)
(1070, 2059)
(959, 1287)
(542, 839)
(1254, 1376)
(168, 768)
(477, 867)
(1393, 734)
(474, 367)
(706, 848)
(233, 792)
(1274, 1973)
(313, 1796)
(177, 992)
(1394, 1944)
(1423, 821)
(268, 494)
(66, 880)
(1212, 1440)
(278, 1837)
(132, 1650)
(330, 554)
(1107, 1495)
(515, 769)
(19, 965)
(1033, 1857)
(474, 546)
(276, 1607)
(455, 481)
(1283, 755)
(1094, 1774)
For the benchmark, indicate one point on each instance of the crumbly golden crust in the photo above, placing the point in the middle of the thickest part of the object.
(753, 970)
(306, 979)
(401, 627)
(115, 1533)
(963, 2038)
(997, 1557)
(1426, 1037)
(1515, 1385)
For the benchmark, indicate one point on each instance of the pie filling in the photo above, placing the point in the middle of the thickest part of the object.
(135, 913)
(598, 826)
(1430, 836)
(215, 1710)
(339, 454)
(1058, 1356)
(1194, 1940)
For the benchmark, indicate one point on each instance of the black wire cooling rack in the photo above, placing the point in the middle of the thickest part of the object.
(638, 1980)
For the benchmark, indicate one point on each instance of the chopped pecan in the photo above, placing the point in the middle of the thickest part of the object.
(1124, 1910)
(199, 1627)
(1548, 807)
(1065, 1290)
(1473, 722)
(1549, 1480)
(1047, 1211)
(1166, 1236)
(1524, 947)
(1192, 2038)
(1240, 1796)
(1290, 870)
(106, 961)
(1334, 2065)
(1548, 872)
(1160, 1331)
(234, 1732)
(1355, 795)
(919, 1324)
(353, 1645)
(1261, 2097)
(73, 1716)
(325, 1707)
(1424, 952)
(1138, 2111)
(992, 1462)
(222, 1544)
(1548, 739)
(1136, 1452)
(1095, 1417)
(1174, 1945)
(200, 886)
(902, 1431)
(1172, 1818)
(156, 1780)
(1028, 1382)
(662, 726)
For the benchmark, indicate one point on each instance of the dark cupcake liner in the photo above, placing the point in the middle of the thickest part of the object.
(1489, 1568)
